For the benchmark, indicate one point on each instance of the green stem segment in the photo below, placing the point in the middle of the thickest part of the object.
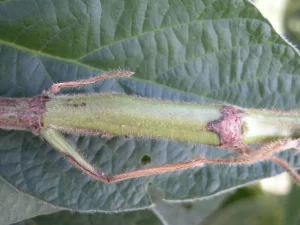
(116, 114)
(261, 126)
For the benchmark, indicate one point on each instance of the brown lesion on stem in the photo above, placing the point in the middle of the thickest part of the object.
(22, 113)
(229, 128)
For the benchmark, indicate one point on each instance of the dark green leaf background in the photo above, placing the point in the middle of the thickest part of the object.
(182, 50)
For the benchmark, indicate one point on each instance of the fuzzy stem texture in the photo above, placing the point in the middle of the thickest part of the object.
(115, 114)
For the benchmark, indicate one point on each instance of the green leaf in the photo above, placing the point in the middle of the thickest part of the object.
(171, 213)
(16, 206)
(178, 213)
(291, 21)
(183, 50)
(260, 210)
(141, 217)
(291, 207)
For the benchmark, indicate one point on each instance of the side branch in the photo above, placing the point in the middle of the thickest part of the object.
(70, 153)
(265, 153)
(56, 88)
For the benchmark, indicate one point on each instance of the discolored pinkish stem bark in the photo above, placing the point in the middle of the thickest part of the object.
(22, 113)
(229, 126)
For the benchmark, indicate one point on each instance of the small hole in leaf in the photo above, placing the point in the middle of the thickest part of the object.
(146, 159)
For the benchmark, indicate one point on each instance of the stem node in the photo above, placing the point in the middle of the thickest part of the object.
(228, 127)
